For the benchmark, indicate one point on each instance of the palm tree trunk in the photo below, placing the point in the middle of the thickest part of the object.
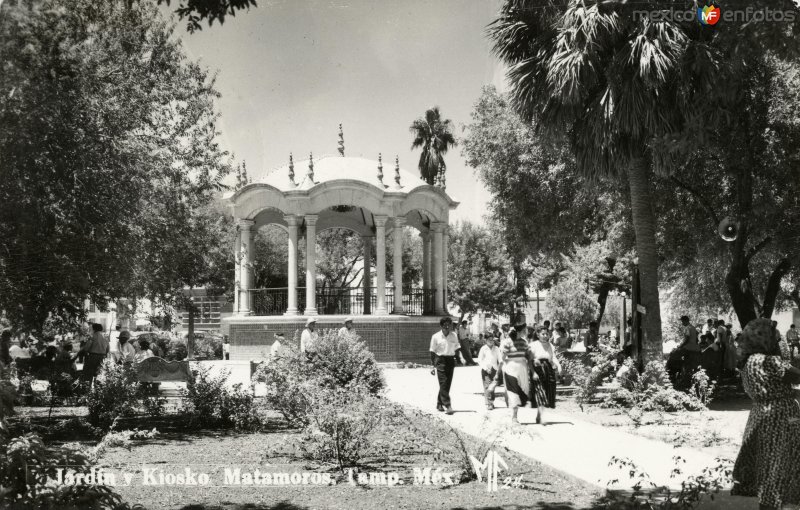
(644, 225)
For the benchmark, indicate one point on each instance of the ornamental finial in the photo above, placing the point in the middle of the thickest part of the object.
(397, 172)
(380, 167)
(442, 179)
(291, 168)
(341, 141)
(310, 173)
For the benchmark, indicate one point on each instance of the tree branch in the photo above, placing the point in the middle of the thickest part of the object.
(757, 248)
(699, 196)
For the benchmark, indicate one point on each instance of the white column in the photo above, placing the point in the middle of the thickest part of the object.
(246, 263)
(237, 269)
(367, 274)
(426, 269)
(445, 256)
(311, 264)
(438, 266)
(380, 247)
(397, 265)
(293, 222)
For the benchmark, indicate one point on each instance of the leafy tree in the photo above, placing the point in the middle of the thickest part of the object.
(271, 258)
(196, 11)
(748, 172)
(435, 136)
(571, 301)
(544, 208)
(479, 270)
(630, 93)
(109, 159)
(412, 257)
(340, 255)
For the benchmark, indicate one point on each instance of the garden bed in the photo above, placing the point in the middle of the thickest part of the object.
(212, 451)
(717, 431)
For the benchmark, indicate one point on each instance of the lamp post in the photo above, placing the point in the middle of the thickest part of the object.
(624, 323)
(190, 334)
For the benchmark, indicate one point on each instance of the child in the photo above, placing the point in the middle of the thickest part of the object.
(489, 361)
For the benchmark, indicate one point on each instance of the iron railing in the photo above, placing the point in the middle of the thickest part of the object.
(340, 301)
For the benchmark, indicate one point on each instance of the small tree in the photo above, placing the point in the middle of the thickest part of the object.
(479, 270)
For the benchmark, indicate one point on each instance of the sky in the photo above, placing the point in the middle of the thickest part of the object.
(291, 71)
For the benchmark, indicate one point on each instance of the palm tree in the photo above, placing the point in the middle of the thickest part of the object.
(435, 136)
(633, 95)
(608, 82)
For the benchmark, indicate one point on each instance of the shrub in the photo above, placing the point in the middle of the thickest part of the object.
(646, 495)
(208, 401)
(650, 391)
(293, 381)
(176, 350)
(115, 394)
(603, 367)
(208, 347)
(28, 468)
(340, 425)
(346, 361)
(290, 385)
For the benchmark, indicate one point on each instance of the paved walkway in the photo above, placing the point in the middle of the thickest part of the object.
(574, 447)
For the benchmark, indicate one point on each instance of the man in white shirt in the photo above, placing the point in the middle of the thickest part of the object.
(444, 349)
(20, 351)
(347, 329)
(277, 348)
(489, 361)
(308, 338)
(113, 343)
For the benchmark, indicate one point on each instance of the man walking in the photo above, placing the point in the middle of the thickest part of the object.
(96, 350)
(464, 342)
(444, 349)
(793, 339)
(691, 349)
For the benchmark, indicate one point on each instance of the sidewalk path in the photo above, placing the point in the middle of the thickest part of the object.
(575, 447)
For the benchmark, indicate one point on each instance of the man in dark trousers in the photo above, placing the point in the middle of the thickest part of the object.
(444, 349)
(464, 342)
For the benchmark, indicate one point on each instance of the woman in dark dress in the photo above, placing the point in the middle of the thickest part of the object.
(516, 359)
(768, 465)
(544, 372)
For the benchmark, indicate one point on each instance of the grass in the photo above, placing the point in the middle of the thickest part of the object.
(211, 451)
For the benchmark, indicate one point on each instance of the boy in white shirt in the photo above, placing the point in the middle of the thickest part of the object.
(489, 361)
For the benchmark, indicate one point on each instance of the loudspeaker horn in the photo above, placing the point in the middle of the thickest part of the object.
(728, 229)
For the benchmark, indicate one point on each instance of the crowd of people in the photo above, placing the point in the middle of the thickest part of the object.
(522, 358)
(56, 356)
(714, 348)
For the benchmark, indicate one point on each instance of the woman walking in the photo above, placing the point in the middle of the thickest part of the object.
(768, 465)
(516, 358)
(545, 368)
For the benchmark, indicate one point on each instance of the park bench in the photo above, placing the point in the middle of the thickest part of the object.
(156, 370)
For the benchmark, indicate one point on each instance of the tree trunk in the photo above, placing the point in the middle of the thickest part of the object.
(774, 286)
(644, 225)
(602, 299)
(738, 278)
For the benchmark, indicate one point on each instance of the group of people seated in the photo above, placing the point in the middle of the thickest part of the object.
(52, 357)
(714, 348)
